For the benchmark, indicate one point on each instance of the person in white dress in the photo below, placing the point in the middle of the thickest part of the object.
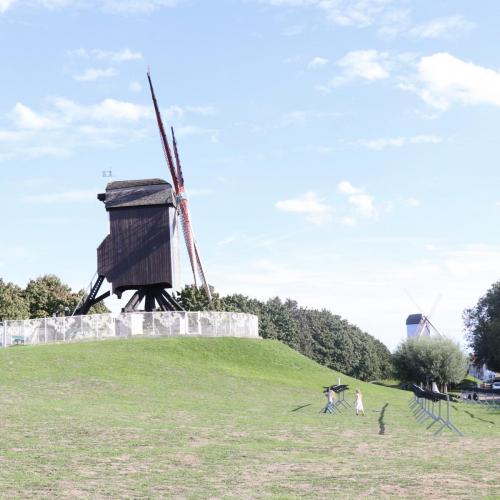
(359, 403)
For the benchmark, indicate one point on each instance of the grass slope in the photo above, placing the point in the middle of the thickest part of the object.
(194, 417)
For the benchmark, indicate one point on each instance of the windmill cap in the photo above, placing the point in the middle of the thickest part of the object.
(414, 319)
(136, 193)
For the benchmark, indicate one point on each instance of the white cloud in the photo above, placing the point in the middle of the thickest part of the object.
(228, 240)
(192, 130)
(368, 65)
(347, 188)
(118, 56)
(396, 142)
(135, 87)
(61, 197)
(136, 6)
(92, 74)
(310, 205)
(25, 118)
(444, 80)
(6, 5)
(111, 6)
(443, 27)
(356, 13)
(363, 203)
(317, 62)
(65, 125)
(106, 111)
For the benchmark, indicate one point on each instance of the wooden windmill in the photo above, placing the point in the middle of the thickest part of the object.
(139, 254)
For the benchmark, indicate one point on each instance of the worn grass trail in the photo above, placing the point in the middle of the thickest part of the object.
(204, 418)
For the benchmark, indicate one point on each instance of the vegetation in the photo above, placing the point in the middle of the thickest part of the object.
(430, 360)
(220, 418)
(319, 334)
(42, 297)
(483, 328)
(12, 302)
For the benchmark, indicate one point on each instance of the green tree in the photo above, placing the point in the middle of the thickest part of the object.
(482, 323)
(12, 302)
(428, 359)
(194, 298)
(48, 295)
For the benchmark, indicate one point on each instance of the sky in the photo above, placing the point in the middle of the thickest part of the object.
(340, 153)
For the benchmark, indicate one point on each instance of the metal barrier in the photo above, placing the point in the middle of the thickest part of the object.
(125, 325)
(424, 407)
(339, 402)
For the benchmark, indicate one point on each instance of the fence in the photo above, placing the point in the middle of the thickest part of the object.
(125, 325)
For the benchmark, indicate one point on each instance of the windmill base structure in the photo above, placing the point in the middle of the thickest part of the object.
(140, 252)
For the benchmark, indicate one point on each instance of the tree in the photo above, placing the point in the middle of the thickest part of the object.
(482, 323)
(48, 295)
(12, 302)
(426, 360)
(194, 298)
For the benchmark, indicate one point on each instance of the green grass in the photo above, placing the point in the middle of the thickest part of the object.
(201, 418)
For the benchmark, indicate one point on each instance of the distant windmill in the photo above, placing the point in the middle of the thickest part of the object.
(419, 325)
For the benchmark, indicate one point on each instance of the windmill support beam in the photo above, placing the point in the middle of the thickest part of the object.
(153, 296)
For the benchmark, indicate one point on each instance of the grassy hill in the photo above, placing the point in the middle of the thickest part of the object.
(194, 417)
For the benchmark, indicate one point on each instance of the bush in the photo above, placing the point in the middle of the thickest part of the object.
(427, 359)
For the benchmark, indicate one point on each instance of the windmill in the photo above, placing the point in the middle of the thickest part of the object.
(180, 194)
(140, 253)
(419, 325)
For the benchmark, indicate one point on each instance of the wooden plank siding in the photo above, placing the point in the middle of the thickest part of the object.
(138, 250)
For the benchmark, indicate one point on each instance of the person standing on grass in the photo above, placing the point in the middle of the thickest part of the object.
(331, 398)
(359, 403)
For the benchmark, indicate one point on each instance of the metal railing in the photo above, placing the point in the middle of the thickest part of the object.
(125, 325)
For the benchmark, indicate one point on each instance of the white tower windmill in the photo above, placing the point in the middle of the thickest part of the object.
(419, 325)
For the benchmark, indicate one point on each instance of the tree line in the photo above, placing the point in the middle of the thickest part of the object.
(42, 297)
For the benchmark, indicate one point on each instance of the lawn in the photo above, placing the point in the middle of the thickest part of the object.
(201, 417)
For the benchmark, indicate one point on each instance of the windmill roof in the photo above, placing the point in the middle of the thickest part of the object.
(413, 319)
(137, 193)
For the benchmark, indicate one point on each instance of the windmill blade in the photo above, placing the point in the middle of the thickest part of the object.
(435, 329)
(188, 235)
(180, 177)
(413, 300)
(194, 255)
(202, 273)
(163, 136)
(436, 303)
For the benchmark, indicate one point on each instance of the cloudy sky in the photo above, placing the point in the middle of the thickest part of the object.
(341, 153)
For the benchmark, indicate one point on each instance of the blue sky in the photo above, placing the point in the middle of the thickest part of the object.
(343, 154)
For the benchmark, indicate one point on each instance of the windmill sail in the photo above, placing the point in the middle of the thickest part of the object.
(182, 202)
